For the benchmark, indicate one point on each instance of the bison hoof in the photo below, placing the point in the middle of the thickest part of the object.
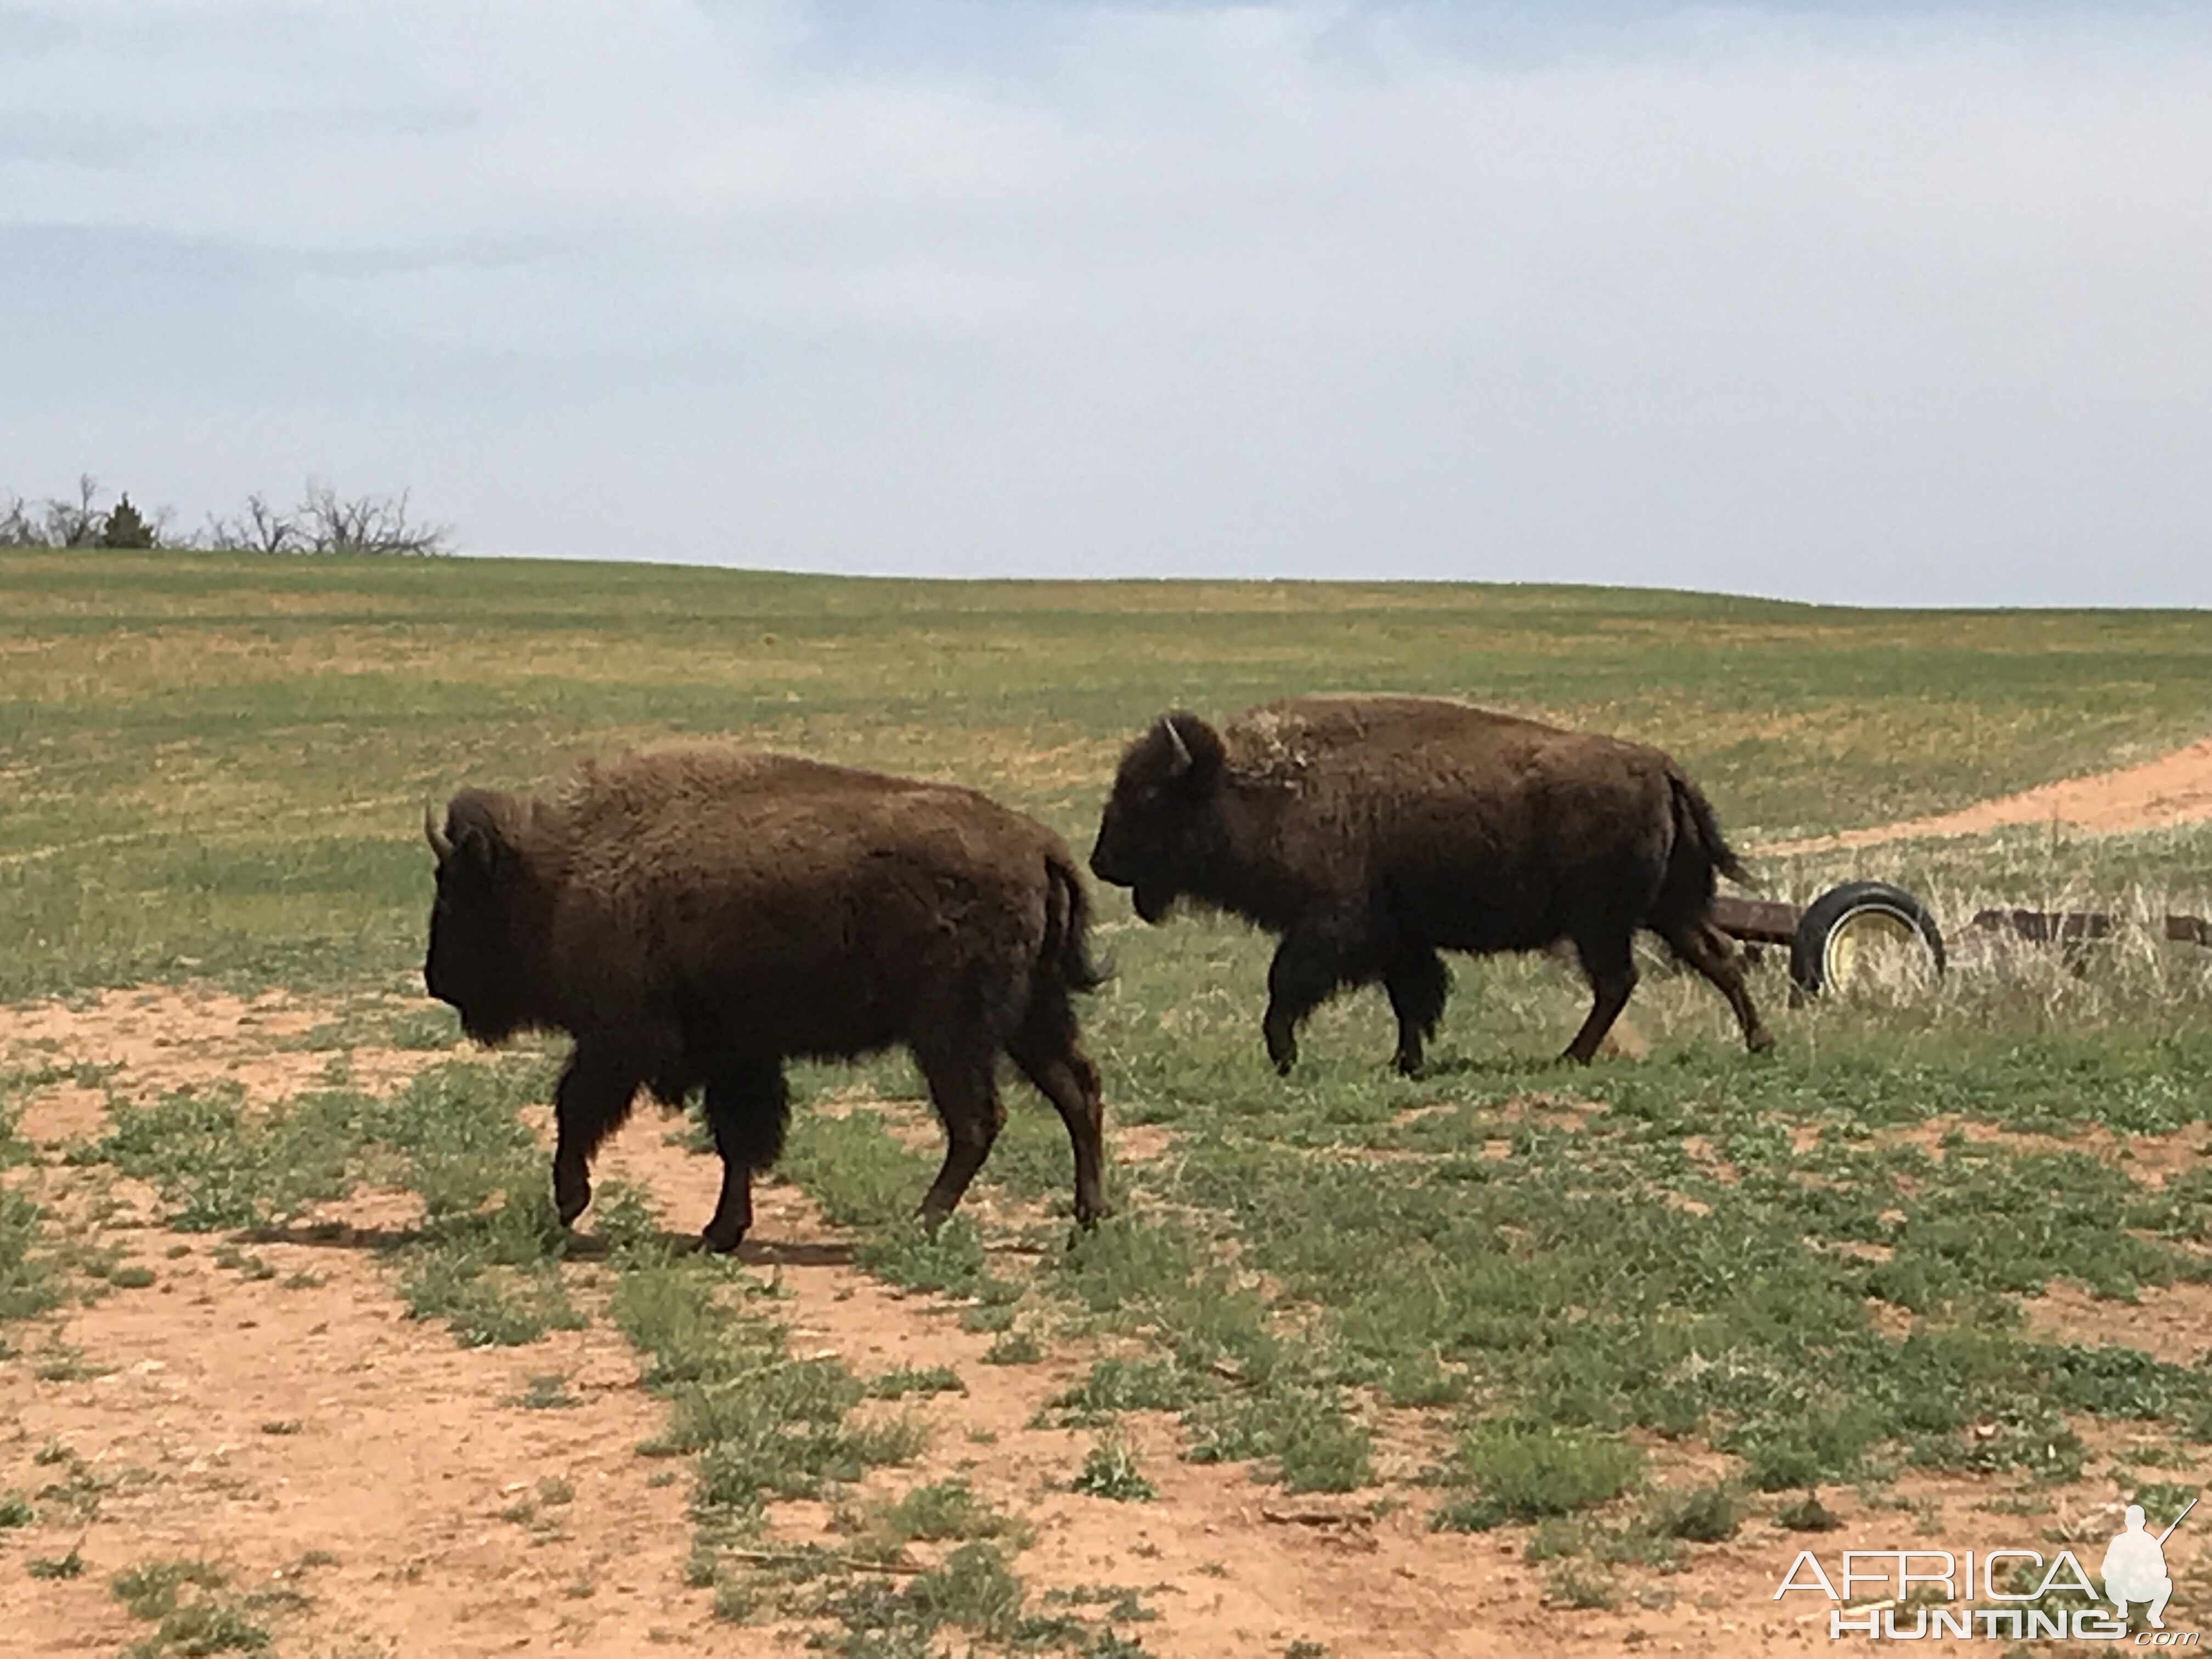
(1760, 1042)
(1407, 1065)
(722, 1240)
(569, 1202)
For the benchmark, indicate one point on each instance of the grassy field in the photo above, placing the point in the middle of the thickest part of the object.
(1814, 1264)
(217, 763)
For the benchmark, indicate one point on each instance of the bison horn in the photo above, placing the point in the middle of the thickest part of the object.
(1178, 748)
(439, 842)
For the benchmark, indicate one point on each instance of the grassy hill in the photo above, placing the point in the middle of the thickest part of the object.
(219, 763)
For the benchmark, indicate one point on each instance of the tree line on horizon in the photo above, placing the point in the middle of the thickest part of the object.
(322, 521)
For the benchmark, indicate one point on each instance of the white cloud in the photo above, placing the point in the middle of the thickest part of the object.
(1879, 305)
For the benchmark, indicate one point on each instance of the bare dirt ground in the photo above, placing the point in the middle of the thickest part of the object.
(2161, 794)
(300, 1430)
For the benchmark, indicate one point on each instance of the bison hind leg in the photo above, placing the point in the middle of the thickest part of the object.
(964, 1088)
(747, 1109)
(1705, 948)
(1608, 962)
(1046, 1050)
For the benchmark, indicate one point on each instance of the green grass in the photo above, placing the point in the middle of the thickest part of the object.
(193, 1610)
(903, 1380)
(231, 753)
(485, 1258)
(944, 1510)
(28, 1284)
(762, 1424)
(1117, 1384)
(1526, 1471)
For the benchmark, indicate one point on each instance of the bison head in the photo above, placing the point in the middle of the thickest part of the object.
(475, 960)
(1157, 832)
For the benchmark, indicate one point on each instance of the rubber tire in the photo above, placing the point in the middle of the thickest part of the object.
(1808, 946)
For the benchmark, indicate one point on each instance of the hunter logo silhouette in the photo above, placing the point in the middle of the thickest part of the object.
(2134, 1567)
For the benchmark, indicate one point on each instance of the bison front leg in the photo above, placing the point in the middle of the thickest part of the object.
(747, 1109)
(1417, 984)
(589, 1103)
(1314, 959)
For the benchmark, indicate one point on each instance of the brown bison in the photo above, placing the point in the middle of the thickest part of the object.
(694, 917)
(1370, 832)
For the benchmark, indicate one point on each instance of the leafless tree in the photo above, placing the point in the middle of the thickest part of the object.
(258, 528)
(323, 522)
(366, 524)
(78, 523)
(16, 528)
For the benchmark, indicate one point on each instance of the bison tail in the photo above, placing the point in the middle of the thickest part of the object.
(1068, 930)
(1694, 822)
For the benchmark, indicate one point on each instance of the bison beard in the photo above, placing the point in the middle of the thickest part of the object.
(1369, 832)
(694, 918)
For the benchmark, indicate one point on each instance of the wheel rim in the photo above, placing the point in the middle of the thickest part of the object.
(1872, 945)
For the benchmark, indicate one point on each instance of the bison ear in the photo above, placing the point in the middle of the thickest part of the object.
(1194, 748)
(474, 836)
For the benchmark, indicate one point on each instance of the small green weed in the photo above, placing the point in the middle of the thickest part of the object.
(1109, 1470)
(485, 1303)
(1524, 1472)
(1703, 1515)
(1301, 1429)
(57, 1566)
(946, 1509)
(548, 1391)
(1014, 1348)
(150, 1591)
(1576, 1585)
(1807, 1514)
(1114, 1384)
(973, 1588)
(904, 1380)
(26, 1282)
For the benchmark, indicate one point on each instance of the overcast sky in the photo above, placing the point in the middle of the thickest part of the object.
(1876, 303)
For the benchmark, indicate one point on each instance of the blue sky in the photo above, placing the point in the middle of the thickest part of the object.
(1870, 302)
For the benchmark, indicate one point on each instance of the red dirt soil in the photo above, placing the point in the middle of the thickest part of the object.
(300, 1430)
(2171, 790)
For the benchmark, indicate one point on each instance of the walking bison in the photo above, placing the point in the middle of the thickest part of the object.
(695, 917)
(1370, 832)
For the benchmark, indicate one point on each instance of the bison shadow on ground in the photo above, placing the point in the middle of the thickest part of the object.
(578, 1246)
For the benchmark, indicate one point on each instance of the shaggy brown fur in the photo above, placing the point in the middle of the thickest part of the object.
(694, 917)
(1369, 832)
